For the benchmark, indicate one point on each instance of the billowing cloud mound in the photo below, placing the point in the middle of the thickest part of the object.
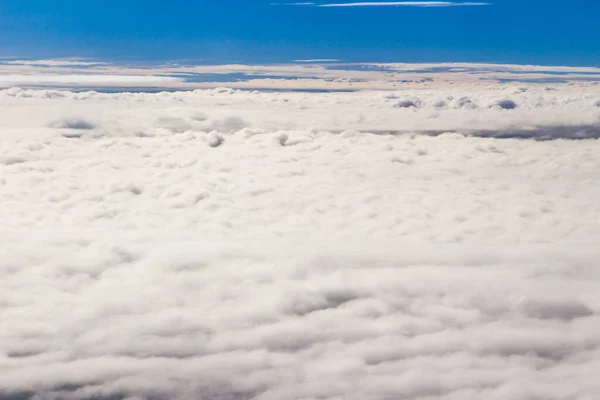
(539, 112)
(225, 244)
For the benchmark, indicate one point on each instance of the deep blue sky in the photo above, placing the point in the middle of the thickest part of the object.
(253, 31)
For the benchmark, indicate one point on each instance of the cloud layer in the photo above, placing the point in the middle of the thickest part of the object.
(228, 244)
(315, 74)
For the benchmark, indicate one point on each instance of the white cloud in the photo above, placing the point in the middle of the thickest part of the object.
(317, 60)
(294, 4)
(311, 74)
(84, 79)
(235, 244)
(54, 63)
(391, 4)
(404, 4)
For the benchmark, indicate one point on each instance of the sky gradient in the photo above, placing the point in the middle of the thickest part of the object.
(216, 31)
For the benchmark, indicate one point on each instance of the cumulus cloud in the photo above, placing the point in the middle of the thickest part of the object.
(408, 103)
(229, 244)
(506, 104)
(72, 123)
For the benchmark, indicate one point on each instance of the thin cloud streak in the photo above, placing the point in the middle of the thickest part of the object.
(405, 4)
(317, 60)
(390, 4)
(294, 4)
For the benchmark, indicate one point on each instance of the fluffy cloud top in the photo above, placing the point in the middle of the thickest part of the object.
(227, 244)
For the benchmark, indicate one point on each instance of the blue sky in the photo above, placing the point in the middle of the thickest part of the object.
(548, 32)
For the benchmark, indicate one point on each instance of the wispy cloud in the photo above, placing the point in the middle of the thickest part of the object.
(390, 4)
(294, 4)
(316, 60)
(55, 63)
